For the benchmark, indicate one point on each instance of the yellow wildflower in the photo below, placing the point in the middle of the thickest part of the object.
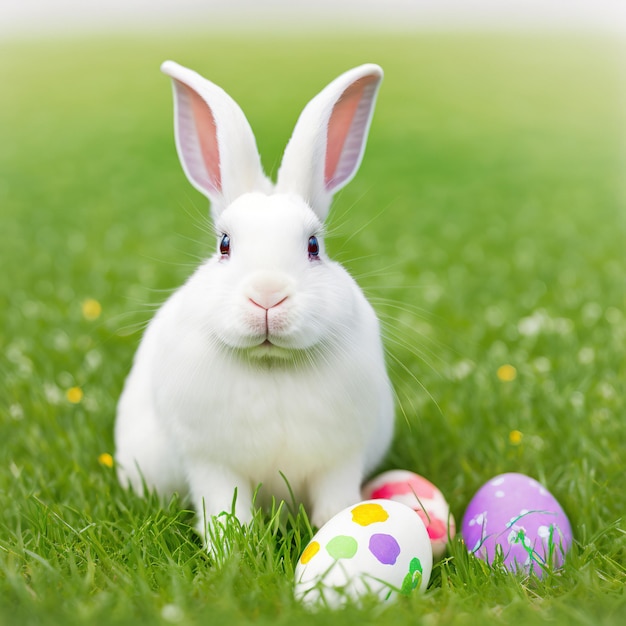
(91, 309)
(506, 373)
(105, 459)
(74, 395)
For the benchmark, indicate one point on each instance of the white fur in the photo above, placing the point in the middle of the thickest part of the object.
(265, 362)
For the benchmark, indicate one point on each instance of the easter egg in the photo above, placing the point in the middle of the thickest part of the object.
(423, 497)
(376, 547)
(519, 516)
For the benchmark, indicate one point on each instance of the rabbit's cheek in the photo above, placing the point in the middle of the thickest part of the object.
(277, 320)
(255, 321)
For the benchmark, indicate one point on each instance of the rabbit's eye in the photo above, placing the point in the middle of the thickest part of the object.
(225, 245)
(314, 247)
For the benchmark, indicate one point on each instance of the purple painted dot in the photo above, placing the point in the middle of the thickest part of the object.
(385, 548)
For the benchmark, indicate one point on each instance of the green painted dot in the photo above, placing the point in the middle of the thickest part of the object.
(342, 547)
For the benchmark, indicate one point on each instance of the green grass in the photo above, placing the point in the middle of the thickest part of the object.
(487, 226)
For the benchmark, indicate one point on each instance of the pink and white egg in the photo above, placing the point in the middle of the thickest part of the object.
(423, 497)
(518, 516)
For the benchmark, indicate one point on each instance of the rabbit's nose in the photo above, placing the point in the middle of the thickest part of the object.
(268, 290)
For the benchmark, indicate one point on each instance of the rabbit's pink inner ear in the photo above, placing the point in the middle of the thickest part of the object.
(347, 127)
(206, 137)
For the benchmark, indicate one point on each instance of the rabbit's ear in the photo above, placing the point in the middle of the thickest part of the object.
(327, 145)
(214, 140)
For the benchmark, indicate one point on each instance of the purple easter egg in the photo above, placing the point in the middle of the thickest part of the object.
(521, 516)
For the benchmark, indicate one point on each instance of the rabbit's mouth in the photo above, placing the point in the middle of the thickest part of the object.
(271, 352)
(269, 347)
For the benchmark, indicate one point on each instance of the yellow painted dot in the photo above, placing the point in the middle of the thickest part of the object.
(74, 395)
(105, 459)
(506, 373)
(370, 513)
(515, 437)
(91, 309)
(309, 552)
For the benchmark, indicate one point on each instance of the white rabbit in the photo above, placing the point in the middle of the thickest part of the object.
(266, 367)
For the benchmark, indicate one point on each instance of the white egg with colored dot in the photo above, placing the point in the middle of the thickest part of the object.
(376, 547)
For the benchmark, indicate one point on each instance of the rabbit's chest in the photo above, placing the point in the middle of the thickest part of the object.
(269, 421)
